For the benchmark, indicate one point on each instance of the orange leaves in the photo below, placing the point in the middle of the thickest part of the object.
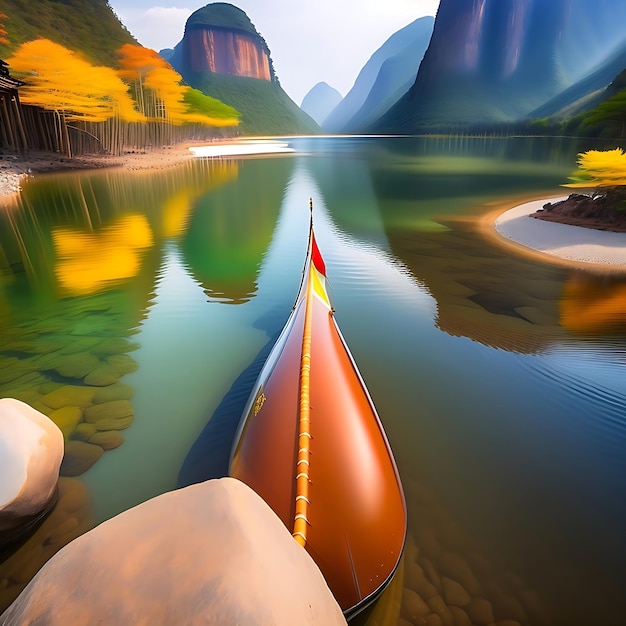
(58, 79)
(3, 33)
(136, 61)
(167, 98)
(165, 82)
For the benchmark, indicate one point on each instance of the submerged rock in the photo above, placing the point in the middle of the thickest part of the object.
(79, 457)
(212, 553)
(31, 450)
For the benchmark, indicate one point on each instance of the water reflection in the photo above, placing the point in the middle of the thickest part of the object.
(497, 299)
(594, 304)
(230, 229)
(91, 262)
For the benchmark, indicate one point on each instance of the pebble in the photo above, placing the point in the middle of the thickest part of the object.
(108, 410)
(454, 593)
(413, 606)
(84, 431)
(116, 391)
(107, 440)
(461, 618)
(480, 611)
(67, 418)
(79, 457)
(119, 423)
(69, 395)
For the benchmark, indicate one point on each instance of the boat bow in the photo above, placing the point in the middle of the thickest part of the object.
(312, 445)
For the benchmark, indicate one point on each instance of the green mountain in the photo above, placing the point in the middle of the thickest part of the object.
(88, 26)
(224, 56)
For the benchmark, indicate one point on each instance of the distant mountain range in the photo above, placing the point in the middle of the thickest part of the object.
(320, 101)
(387, 75)
(479, 64)
(490, 61)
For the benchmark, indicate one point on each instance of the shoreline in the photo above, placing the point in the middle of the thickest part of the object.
(562, 244)
(15, 167)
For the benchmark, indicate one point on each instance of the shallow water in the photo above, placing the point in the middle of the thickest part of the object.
(500, 379)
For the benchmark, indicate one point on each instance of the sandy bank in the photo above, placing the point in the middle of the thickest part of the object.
(15, 167)
(570, 245)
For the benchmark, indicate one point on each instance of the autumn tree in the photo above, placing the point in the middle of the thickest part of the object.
(4, 40)
(161, 95)
(135, 62)
(59, 80)
(600, 168)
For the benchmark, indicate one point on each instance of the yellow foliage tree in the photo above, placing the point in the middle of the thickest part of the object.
(161, 94)
(600, 168)
(135, 62)
(4, 40)
(59, 80)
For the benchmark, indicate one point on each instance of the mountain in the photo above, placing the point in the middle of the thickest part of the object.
(387, 75)
(588, 91)
(320, 101)
(88, 26)
(492, 61)
(224, 56)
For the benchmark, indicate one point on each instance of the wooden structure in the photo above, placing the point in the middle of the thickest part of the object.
(312, 446)
(12, 133)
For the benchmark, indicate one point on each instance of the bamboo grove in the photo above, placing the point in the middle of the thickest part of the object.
(88, 108)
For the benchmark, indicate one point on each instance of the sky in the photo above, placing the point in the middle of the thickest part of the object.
(310, 40)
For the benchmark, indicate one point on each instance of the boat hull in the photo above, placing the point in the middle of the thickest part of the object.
(355, 516)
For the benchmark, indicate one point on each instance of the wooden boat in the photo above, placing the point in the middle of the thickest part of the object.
(311, 444)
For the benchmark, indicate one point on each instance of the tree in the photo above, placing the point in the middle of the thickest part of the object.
(4, 40)
(600, 168)
(162, 96)
(59, 80)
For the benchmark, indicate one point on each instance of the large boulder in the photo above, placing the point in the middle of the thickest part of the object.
(31, 450)
(212, 553)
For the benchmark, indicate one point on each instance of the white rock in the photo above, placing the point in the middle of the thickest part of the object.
(212, 553)
(31, 451)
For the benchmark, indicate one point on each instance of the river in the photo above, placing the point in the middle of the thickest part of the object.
(500, 379)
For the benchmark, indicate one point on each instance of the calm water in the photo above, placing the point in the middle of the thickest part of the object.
(501, 381)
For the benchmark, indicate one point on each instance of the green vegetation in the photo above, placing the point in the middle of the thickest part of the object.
(198, 103)
(86, 25)
(265, 108)
(222, 15)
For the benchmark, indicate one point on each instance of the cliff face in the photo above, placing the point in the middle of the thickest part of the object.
(496, 60)
(225, 52)
(224, 56)
(220, 39)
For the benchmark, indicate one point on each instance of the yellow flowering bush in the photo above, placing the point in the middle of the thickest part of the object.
(600, 168)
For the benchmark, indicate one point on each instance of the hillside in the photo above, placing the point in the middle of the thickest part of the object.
(265, 108)
(89, 26)
(222, 54)
(588, 91)
(386, 76)
(493, 62)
